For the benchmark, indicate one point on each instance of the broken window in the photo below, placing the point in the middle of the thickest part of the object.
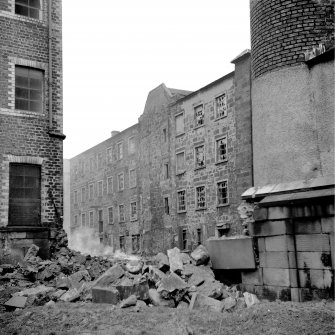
(180, 162)
(221, 106)
(133, 210)
(164, 135)
(91, 191)
(199, 236)
(166, 206)
(83, 219)
(75, 196)
(166, 171)
(135, 243)
(121, 181)
(132, 178)
(120, 150)
(131, 145)
(100, 188)
(184, 239)
(180, 124)
(28, 89)
(100, 220)
(109, 155)
(91, 219)
(24, 195)
(222, 193)
(122, 243)
(29, 8)
(221, 150)
(181, 201)
(199, 156)
(121, 213)
(110, 185)
(83, 190)
(199, 115)
(201, 197)
(110, 215)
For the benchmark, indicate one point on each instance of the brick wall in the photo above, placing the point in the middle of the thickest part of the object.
(26, 136)
(282, 30)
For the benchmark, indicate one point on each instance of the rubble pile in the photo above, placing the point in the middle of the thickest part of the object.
(175, 280)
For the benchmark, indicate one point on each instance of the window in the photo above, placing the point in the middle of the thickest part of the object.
(133, 210)
(131, 145)
(100, 220)
(75, 220)
(122, 243)
(166, 206)
(166, 171)
(91, 219)
(83, 218)
(221, 106)
(120, 178)
(24, 195)
(109, 155)
(91, 164)
(28, 89)
(132, 178)
(201, 197)
(110, 185)
(222, 193)
(199, 155)
(180, 162)
(181, 201)
(30, 8)
(83, 190)
(135, 243)
(75, 196)
(91, 191)
(180, 124)
(184, 239)
(99, 160)
(199, 115)
(100, 188)
(221, 150)
(120, 150)
(164, 135)
(110, 215)
(199, 236)
(121, 213)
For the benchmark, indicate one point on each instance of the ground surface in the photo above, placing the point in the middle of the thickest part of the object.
(273, 318)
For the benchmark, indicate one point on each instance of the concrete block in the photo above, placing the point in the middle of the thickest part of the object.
(108, 295)
(274, 259)
(314, 260)
(319, 279)
(203, 302)
(295, 294)
(17, 235)
(270, 228)
(279, 243)
(313, 242)
(253, 277)
(307, 294)
(328, 224)
(276, 277)
(269, 292)
(260, 214)
(307, 226)
(16, 302)
(278, 213)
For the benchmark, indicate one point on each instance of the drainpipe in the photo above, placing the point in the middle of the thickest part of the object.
(50, 63)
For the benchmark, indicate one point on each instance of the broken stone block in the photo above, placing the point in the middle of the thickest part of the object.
(71, 295)
(56, 295)
(50, 304)
(162, 262)
(134, 266)
(130, 301)
(186, 259)
(155, 274)
(229, 303)
(128, 287)
(250, 299)
(175, 260)
(157, 300)
(78, 278)
(240, 303)
(183, 305)
(32, 252)
(16, 302)
(108, 295)
(110, 276)
(141, 304)
(7, 268)
(63, 282)
(200, 301)
(35, 291)
(200, 255)
(172, 287)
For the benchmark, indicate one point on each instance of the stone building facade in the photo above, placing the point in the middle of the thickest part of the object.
(31, 125)
(192, 159)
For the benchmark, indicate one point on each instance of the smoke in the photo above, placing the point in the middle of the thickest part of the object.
(86, 241)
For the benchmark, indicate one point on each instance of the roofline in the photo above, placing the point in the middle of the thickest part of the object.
(213, 83)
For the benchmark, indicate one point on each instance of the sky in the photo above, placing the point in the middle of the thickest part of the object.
(115, 52)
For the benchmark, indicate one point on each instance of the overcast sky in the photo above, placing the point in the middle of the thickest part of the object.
(115, 52)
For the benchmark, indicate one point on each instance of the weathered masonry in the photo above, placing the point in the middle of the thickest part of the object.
(176, 177)
(31, 149)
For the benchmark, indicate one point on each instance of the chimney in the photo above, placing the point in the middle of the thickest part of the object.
(114, 132)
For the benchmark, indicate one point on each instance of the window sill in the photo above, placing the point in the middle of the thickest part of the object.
(198, 126)
(201, 209)
(181, 212)
(200, 168)
(133, 219)
(179, 173)
(223, 205)
(220, 117)
(221, 162)
(180, 134)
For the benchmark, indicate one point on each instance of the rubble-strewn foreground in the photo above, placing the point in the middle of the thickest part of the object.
(166, 294)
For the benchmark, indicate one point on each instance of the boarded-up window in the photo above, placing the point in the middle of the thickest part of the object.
(180, 162)
(101, 222)
(180, 124)
(24, 195)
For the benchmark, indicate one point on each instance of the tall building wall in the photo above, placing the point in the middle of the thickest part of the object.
(31, 134)
(293, 108)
